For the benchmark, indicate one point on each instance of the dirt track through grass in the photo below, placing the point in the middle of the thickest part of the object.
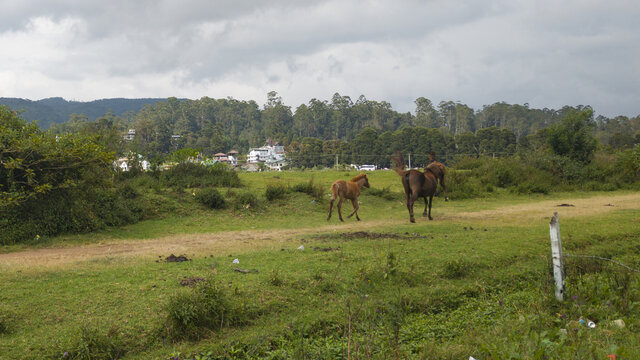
(235, 242)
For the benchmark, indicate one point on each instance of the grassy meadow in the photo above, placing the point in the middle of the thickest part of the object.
(475, 281)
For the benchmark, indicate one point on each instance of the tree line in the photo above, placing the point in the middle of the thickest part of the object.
(363, 131)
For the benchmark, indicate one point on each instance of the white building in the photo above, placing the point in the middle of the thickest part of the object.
(265, 153)
(131, 134)
(271, 154)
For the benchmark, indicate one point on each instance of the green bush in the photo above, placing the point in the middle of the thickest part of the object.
(530, 187)
(190, 175)
(211, 198)
(462, 185)
(243, 199)
(310, 188)
(205, 307)
(276, 191)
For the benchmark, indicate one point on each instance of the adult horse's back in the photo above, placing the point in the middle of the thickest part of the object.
(416, 184)
(347, 190)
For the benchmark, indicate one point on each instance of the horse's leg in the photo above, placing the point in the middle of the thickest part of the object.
(340, 208)
(330, 208)
(426, 204)
(444, 188)
(334, 193)
(355, 209)
(410, 201)
(430, 202)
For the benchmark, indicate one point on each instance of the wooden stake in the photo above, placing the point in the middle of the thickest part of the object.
(556, 254)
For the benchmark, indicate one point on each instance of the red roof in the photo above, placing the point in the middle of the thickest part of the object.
(220, 154)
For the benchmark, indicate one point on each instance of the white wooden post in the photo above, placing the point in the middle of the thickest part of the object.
(556, 253)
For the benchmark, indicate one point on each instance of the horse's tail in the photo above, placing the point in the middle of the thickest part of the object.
(335, 190)
(406, 181)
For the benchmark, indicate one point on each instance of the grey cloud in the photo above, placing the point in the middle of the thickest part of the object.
(545, 53)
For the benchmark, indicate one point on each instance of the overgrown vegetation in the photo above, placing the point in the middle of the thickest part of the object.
(206, 307)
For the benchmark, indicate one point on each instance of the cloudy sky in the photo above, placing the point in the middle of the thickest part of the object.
(546, 53)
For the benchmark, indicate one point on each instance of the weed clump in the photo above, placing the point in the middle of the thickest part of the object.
(314, 190)
(91, 344)
(205, 307)
(4, 328)
(457, 269)
(211, 198)
(275, 278)
(276, 191)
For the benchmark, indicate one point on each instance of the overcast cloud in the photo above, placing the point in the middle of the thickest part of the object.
(545, 53)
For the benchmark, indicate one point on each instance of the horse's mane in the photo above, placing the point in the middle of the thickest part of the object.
(358, 177)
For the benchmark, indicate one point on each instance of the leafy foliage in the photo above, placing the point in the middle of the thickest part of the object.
(573, 137)
(206, 307)
(211, 198)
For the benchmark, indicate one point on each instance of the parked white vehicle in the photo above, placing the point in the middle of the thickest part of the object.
(367, 167)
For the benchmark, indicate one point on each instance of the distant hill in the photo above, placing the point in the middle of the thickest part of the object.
(57, 110)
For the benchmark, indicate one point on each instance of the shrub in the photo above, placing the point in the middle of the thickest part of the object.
(211, 198)
(530, 187)
(205, 307)
(314, 190)
(247, 199)
(190, 175)
(462, 185)
(276, 191)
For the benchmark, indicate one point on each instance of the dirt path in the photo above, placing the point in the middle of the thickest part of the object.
(228, 243)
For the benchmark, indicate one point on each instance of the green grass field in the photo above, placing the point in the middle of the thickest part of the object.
(476, 281)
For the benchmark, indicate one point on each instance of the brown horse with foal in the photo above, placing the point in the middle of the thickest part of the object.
(347, 190)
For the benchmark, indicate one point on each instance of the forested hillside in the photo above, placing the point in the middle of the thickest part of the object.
(58, 110)
(363, 131)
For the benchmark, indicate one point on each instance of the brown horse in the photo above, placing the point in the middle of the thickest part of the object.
(438, 169)
(347, 190)
(416, 184)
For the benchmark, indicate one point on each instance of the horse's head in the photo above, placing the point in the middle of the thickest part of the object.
(366, 182)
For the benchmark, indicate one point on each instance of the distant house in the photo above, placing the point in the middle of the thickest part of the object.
(271, 154)
(231, 158)
(131, 134)
(124, 163)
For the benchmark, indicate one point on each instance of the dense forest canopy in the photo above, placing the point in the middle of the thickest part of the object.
(360, 131)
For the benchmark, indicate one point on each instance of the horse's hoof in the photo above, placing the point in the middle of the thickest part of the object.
(424, 215)
(430, 218)
(413, 220)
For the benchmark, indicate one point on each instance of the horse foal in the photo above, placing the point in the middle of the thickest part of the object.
(347, 190)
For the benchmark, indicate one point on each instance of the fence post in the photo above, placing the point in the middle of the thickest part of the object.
(556, 254)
